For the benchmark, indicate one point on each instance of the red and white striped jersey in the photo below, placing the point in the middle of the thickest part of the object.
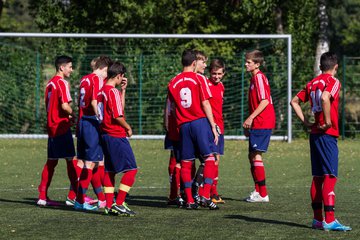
(188, 90)
(57, 92)
(173, 130)
(110, 107)
(216, 102)
(89, 88)
(258, 91)
(313, 91)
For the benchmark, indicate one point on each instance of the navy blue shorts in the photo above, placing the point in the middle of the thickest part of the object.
(119, 156)
(259, 140)
(61, 146)
(88, 142)
(219, 148)
(196, 137)
(174, 146)
(324, 155)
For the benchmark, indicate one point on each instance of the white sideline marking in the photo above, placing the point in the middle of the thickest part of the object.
(135, 137)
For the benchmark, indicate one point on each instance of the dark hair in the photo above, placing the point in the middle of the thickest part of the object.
(328, 61)
(216, 64)
(256, 56)
(115, 69)
(102, 61)
(188, 57)
(61, 60)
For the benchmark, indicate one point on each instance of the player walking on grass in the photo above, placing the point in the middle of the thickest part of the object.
(258, 126)
(323, 94)
(191, 94)
(119, 157)
(60, 117)
(89, 148)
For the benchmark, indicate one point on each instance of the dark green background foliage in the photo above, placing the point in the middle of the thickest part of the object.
(152, 62)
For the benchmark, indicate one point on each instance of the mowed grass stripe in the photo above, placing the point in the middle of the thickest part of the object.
(287, 216)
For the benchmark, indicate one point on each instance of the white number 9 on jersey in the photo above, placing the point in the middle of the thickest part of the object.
(185, 95)
(100, 107)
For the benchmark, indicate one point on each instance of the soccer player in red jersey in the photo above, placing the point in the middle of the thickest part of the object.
(89, 148)
(259, 124)
(217, 72)
(191, 95)
(323, 94)
(198, 175)
(172, 143)
(60, 117)
(119, 157)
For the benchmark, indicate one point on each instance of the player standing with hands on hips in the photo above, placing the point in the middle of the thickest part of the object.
(323, 94)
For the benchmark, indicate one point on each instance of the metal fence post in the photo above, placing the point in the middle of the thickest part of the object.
(140, 93)
(37, 94)
(343, 100)
(242, 91)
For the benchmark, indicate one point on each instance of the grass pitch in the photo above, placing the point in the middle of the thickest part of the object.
(287, 216)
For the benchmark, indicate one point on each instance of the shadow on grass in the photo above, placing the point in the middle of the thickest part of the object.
(269, 221)
(147, 201)
(61, 206)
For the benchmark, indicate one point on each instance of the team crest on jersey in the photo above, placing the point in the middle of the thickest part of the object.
(252, 86)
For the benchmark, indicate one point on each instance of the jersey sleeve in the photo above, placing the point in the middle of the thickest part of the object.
(303, 95)
(64, 90)
(261, 91)
(333, 87)
(116, 105)
(205, 92)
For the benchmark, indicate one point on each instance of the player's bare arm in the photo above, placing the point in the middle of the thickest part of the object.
(94, 106)
(295, 103)
(208, 112)
(122, 122)
(326, 105)
(67, 108)
(248, 122)
(123, 86)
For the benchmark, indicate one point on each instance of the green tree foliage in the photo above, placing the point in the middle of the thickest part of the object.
(298, 18)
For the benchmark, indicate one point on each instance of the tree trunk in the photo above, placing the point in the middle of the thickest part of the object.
(1, 6)
(279, 21)
(323, 44)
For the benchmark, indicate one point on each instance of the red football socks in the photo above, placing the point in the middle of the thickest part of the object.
(187, 180)
(175, 183)
(209, 174)
(96, 184)
(259, 172)
(101, 171)
(73, 177)
(109, 181)
(46, 177)
(84, 181)
(127, 181)
(316, 197)
(328, 195)
(216, 178)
